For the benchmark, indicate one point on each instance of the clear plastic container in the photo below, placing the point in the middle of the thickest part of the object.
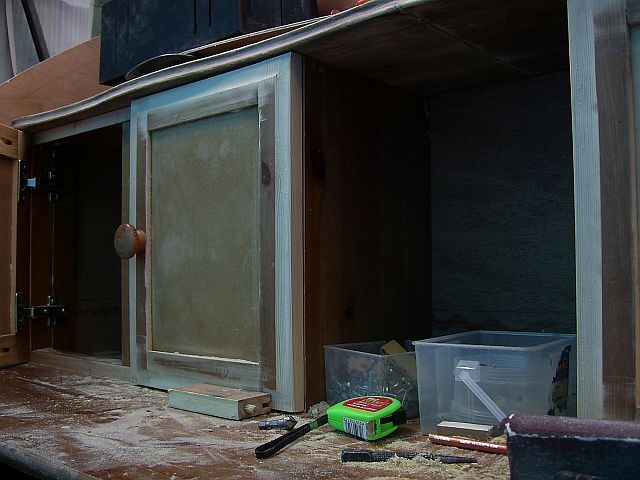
(359, 369)
(520, 372)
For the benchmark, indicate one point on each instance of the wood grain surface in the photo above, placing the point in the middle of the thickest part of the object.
(63, 425)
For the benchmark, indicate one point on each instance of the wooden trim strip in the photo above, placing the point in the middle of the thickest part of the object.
(8, 350)
(267, 114)
(586, 165)
(223, 371)
(81, 364)
(8, 142)
(208, 106)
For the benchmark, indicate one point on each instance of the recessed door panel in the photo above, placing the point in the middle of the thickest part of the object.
(205, 220)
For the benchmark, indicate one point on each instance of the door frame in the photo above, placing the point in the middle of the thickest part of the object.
(14, 340)
(606, 207)
(279, 78)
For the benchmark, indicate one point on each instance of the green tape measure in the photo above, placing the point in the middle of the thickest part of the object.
(368, 418)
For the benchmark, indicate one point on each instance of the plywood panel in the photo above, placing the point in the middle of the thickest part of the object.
(503, 222)
(97, 291)
(60, 80)
(205, 234)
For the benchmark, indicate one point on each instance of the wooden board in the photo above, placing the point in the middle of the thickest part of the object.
(8, 141)
(606, 209)
(81, 364)
(8, 197)
(502, 207)
(463, 429)
(246, 39)
(424, 46)
(13, 340)
(60, 80)
(224, 402)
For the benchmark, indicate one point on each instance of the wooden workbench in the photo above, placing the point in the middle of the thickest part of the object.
(64, 425)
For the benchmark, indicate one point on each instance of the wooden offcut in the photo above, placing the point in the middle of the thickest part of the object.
(68, 77)
(219, 401)
(392, 348)
(469, 430)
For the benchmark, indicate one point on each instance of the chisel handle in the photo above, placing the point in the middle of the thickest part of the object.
(359, 455)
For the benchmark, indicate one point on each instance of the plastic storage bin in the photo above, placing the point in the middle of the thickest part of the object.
(479, 376)
(359, 369)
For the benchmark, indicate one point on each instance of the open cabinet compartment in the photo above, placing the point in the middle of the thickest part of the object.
(75, 208)
(433, 189)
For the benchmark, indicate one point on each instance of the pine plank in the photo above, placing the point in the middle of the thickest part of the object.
(219, 401)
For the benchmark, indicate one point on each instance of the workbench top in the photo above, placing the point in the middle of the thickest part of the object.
(59, 424)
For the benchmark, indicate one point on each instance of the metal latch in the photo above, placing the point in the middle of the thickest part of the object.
(49, 184)
(51, 311)
(25, 182)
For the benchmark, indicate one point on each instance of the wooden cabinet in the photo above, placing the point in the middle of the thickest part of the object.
(284, 207)
(377, 107)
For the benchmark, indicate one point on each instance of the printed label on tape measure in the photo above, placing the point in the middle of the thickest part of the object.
(355, 427)
(369, 404)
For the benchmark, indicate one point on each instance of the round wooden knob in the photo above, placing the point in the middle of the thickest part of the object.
(129, 241)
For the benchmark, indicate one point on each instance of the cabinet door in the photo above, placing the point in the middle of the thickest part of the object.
(214, 160)
(14, 347)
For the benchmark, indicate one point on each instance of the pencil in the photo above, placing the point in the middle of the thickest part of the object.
(468, 444)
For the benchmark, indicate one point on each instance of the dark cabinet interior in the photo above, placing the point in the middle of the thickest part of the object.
(76, 210)
(502, 207)
(367, 214)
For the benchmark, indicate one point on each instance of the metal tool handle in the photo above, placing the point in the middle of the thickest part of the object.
(268, 449)
(359, 455)
(366, 456)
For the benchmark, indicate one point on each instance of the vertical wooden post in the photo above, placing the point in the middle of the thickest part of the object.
(606, 207)
(633, 19)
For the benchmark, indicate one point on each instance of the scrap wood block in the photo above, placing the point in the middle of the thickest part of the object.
(392, 348)
(469, 430)
(548, 447)
(232, 403)
(395, 354)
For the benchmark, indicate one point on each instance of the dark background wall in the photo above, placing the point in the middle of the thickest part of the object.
(502, 207)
